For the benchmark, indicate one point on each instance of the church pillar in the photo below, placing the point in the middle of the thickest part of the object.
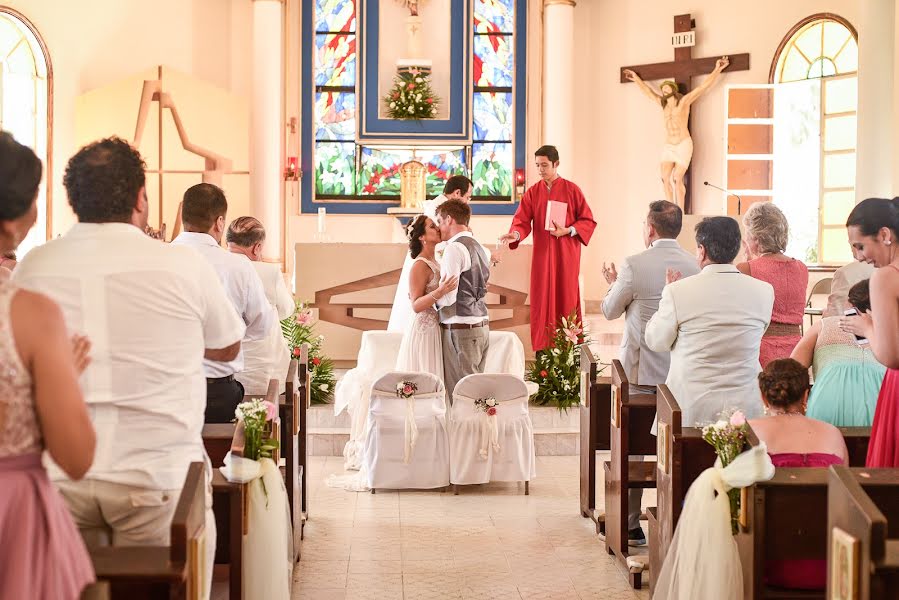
(558, 70)
(266, 131)
(877, 106)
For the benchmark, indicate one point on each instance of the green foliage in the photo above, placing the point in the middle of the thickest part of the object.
(557, 368)
(299, 329)
(411, 96)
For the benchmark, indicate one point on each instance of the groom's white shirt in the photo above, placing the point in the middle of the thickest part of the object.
(455, 261)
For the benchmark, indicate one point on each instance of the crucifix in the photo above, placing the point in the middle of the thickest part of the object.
(676, 98)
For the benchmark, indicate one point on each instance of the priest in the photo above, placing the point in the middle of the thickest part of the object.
(558, 237)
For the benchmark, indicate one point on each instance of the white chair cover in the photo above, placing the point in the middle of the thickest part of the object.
(491, 448)
(407, 446)
(703, 560)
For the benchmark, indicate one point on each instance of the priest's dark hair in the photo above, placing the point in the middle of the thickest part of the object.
(245, 232)
(871, 214)
(20, 176)
(720, 236)
(549, 152)
(666, 218)
(457, 182)
(783, 382)
(415, 230)
(103, 181)
(458, 210)
(860, 296)
(203, 204)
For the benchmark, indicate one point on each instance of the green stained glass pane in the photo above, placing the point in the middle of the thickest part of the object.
(379, 172)
(492, 169)
(335, 168)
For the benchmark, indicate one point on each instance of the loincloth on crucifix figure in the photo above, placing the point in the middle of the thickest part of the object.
(678, 149)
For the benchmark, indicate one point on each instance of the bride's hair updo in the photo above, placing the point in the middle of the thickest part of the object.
(783, 382)
(415, 230)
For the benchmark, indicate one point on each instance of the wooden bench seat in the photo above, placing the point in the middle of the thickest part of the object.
(594, 430)
(640, 474)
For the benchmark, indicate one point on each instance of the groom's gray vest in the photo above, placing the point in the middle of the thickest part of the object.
(472, 284)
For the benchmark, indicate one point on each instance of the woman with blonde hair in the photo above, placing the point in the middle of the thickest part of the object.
(766, 234)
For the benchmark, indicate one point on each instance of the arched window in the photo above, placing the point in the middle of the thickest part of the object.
(25, 88)
(815, 72)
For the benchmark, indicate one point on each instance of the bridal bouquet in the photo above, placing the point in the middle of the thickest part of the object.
(557, 368)
(728, 436)
(299, 329)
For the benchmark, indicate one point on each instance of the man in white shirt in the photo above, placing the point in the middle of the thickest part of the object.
(152, 312)
(463, 311)
(267, 358)
(636, 291)
(457, 187)
(713, 324)
(203, 211)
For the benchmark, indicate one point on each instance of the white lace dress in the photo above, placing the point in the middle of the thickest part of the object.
(421, 349)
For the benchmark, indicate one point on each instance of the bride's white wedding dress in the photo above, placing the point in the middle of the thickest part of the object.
(421, 348)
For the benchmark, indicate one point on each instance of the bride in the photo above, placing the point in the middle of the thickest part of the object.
(421, 348)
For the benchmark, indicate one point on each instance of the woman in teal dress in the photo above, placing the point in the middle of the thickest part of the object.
(847, 376)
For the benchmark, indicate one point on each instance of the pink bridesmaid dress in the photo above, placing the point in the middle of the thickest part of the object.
(789, 278)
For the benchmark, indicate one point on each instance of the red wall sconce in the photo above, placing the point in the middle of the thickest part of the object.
(292, 170)
(519, 182)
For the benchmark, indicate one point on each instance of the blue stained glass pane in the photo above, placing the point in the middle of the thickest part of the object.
(493, 116)
(335, 168)
(335, 116)
(492, 169)
(335, 15)
(335, 60)
(494, 15)
(379, 172)
(493, 60)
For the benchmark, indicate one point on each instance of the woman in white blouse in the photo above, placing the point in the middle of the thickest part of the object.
(267, 358)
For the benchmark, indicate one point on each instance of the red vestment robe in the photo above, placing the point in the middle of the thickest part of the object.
(556, 262)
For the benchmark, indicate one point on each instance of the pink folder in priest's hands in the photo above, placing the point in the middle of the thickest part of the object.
(556, 212)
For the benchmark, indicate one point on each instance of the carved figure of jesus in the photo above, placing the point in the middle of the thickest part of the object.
(678, 149)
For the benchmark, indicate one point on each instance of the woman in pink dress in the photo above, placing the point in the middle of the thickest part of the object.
(42, 554)
(766, 233)
(874, 234)
(795, 440)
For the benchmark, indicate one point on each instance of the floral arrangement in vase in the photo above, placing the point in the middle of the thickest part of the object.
(557, 368)
(411, 96)
(255, 414)
(299, 329)
(728, 437)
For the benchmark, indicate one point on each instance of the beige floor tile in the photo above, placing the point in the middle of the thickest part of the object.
(491, 592)
(326, 581)
(301, 593)
(446, 565)
(357, 567)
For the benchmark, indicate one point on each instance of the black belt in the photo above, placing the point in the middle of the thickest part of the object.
(464, 325)
(217, 379)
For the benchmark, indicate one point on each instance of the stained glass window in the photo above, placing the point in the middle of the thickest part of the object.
(335, 97)
(492, 105)
(24, 97)
(822, 48)
(379, 170)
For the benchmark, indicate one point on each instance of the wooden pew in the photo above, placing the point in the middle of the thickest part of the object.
(292, 409)
(865, 505)
(631, 418)
(596, 393)
(176, 571)
(682, 456)
(856, 439)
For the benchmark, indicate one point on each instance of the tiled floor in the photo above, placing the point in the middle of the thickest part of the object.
(489, 542)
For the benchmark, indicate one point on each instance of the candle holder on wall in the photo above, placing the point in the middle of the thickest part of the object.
(292, 171)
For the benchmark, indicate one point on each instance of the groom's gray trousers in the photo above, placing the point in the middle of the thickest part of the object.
(464, 353)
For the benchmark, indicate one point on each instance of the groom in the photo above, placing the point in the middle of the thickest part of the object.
(463, 311)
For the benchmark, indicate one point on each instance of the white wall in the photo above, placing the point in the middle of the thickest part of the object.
(96, 42)
(620, 132)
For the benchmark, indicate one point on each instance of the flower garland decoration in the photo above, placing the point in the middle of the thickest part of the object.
(487, 405)
(728, 437)
(557, 368)
(406, 389)
(299, 329)
(411, 96)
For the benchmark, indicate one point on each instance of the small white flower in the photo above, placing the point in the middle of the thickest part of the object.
(393, 105)
(491, 401)
(323, 387)
(418, 80)
(721, 424)
(418, 97)
(411, 110)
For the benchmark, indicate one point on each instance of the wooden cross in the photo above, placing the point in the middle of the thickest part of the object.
(682, 69)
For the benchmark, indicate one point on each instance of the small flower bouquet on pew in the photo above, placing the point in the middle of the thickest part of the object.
(728, 437)
(255, 415)
(299, 329)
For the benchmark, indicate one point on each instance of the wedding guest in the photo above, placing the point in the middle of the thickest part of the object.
(636, 291)
(874, 233)
(268, 358)
(203, 211)
(767, 232)
(41, 407)
(847, 376)
(795, 440)
(712, 323)
(843, 279)
(153, 311)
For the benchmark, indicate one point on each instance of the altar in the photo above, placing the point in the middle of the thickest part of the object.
(351, 289)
